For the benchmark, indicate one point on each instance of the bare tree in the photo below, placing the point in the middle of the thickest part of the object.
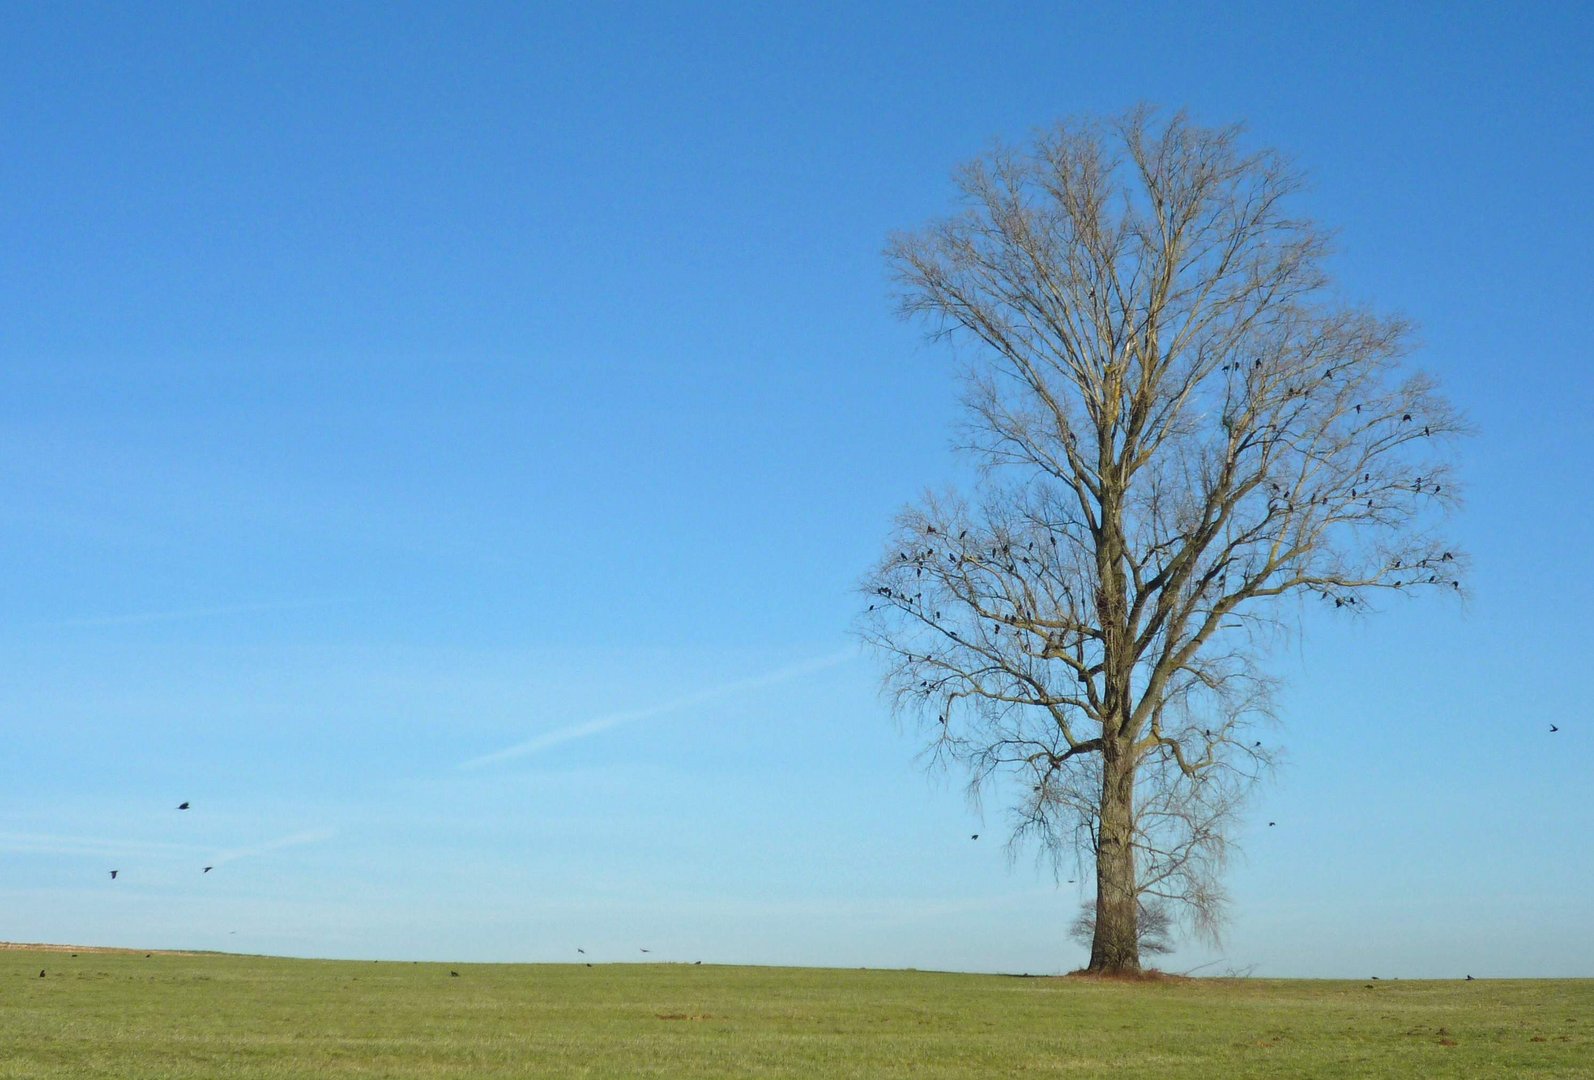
(1179, 428)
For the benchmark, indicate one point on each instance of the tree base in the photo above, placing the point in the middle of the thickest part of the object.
(1123, 975)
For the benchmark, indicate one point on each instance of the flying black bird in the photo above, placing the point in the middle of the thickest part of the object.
(182, 806)
(1554, 728)
(114, 873)
(647, 950)
(1271, 824)
(207, 869)
(976, 836)
(583, 952)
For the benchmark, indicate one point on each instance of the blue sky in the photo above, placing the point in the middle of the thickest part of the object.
(442, 444)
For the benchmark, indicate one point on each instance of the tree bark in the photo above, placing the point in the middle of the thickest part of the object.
(1115, 948)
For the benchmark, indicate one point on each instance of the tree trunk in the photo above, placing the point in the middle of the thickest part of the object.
(1116, 946)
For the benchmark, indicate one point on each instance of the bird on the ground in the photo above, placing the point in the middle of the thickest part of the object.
(114, 873)
(1553, 728)
(182, 806)
(41, 973)
(454, 974)
(1469, 978)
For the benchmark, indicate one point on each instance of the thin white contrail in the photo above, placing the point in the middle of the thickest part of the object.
(615, 719)
(309, 836)
(176, 615)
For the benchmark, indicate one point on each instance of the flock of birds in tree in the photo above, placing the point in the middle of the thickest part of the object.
(1002, 556)
(184, 805)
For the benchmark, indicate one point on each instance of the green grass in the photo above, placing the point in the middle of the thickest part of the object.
(178, 1016)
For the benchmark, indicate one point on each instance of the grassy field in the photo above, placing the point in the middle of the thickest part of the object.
(174, 1016)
